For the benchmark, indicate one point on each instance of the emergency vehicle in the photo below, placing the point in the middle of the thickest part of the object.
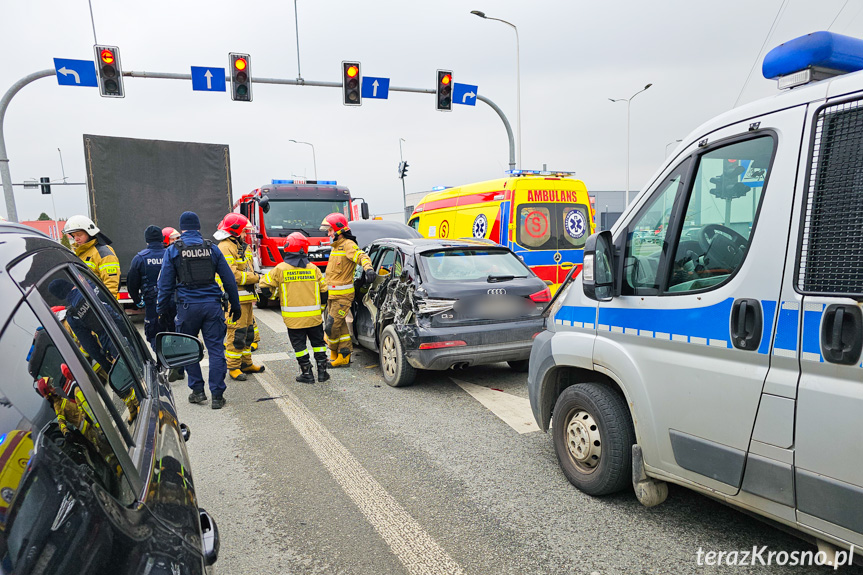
(286, 206)
(714, 337)
(544, 217)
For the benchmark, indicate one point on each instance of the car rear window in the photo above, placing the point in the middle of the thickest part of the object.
(472, 265)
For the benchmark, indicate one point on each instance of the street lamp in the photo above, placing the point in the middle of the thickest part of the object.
(517, 75)
(628, 100)
(668, 144)
(314, 160)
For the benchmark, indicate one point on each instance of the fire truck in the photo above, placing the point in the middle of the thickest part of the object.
(286, 206)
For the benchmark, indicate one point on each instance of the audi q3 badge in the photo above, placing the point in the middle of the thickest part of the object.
(496, 291)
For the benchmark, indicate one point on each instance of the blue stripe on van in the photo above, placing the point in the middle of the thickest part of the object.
(504, 224)
(812, 331)
(787, 328)
(768, 309)
(546, 257)
(571, 314)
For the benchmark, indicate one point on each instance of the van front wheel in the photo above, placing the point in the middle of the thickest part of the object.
(593, 438)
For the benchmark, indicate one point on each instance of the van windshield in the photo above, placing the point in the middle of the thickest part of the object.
(286, 216)
(552, 226)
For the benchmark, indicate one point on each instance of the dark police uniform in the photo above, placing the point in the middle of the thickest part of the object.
(142, 283)
(189, 268)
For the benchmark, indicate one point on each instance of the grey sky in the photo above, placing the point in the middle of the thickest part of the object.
(574, 56)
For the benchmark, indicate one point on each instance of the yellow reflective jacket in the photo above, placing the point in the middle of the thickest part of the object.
(299, 291)
(344, 258)
(241, 265)
(103, 262)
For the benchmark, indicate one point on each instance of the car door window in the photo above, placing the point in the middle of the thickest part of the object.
(99, 330)
(720, 214)
(385, 263)
(646, 241)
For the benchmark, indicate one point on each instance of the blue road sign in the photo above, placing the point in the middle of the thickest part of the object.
(208, 79)
(75, 72)
(375, 87)
(464, 94)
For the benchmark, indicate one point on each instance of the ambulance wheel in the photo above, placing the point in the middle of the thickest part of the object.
(394, 365)
(519, 366)
(593, 438)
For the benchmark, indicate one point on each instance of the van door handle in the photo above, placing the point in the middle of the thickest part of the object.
(842, 334)
(746, 324)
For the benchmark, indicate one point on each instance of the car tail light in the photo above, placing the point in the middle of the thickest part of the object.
(442, 344)
(543, 296)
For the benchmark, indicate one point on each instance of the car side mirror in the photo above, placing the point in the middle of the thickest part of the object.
(264, 202)
(364, 210)
(597, 274)
(178, 350)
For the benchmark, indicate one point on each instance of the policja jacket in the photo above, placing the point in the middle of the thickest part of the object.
(187, 292)
(301, 288)
(241, 266)
(143, 277)
(102, 260)
(344, 258)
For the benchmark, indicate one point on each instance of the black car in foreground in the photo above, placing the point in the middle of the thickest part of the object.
(440, 304)
(94, 473)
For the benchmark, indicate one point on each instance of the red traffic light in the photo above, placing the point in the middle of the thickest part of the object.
(352, 71)
(445, 79)
(240, 64)
(107, 56)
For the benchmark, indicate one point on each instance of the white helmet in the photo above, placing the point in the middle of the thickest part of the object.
(80, 223)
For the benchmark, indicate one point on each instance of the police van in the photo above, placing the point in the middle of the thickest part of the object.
(714, 337)
(543, 216)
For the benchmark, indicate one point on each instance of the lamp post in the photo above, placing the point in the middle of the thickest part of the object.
(669, 143)
(314, 160)
(517, 75)
(628, 100)
(297, 26)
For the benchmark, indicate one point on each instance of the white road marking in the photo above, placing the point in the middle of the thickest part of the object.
(416, 549)
(512, 410)
(272, 318)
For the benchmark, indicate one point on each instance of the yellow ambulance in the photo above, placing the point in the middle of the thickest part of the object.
(544, 217)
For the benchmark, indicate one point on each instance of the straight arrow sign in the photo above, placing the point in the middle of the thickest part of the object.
(208, 79)
(375, 88)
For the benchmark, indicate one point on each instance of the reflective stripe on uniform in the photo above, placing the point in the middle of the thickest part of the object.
(319, 349)
(112, 266)
(338, 290)
(91, 265)
(243, 279)
(301, 353)
(312, 311)
(233, 354)
(345, 338)
(337, 253)
(229, 258)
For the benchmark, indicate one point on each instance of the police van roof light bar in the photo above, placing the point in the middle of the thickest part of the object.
(557, 173)
(816, 56)
(317, 182)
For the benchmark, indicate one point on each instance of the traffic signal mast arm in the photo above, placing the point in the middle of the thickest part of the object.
(11, 210)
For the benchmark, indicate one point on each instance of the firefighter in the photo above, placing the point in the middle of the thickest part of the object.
(142, 278)
(257, 341)
(94, 249)
(302, 290)
(169, 236)
(189, 268)
(240, 332)
(344, 257)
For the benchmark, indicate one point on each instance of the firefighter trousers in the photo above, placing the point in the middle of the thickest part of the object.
(338, 336)
(238, 341)
(315, 334)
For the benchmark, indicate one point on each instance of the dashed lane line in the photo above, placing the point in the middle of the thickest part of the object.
(512, 410)
(414, 547)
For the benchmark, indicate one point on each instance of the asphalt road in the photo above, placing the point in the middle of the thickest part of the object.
(446, 476)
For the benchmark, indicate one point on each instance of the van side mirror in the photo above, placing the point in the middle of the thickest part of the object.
(178, 350)
(264, 202)
(364, 210)
(598, 268)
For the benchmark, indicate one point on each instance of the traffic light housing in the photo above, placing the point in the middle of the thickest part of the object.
(351, 82)
(403, 170)
(444, 91)
(241, 77)
(46, 185)
(728, 186)
(110, 71)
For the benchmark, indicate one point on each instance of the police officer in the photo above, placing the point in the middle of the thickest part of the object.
(94, 249)
(240, 333)
(142, 279)
(302, 290)
(344, 257)
(189, 268)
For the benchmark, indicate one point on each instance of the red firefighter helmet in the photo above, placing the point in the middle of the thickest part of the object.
(337, 221)
(234, 224)
(297, 243)
(168, 235)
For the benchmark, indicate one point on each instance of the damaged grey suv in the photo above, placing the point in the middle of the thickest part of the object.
(440, 304)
